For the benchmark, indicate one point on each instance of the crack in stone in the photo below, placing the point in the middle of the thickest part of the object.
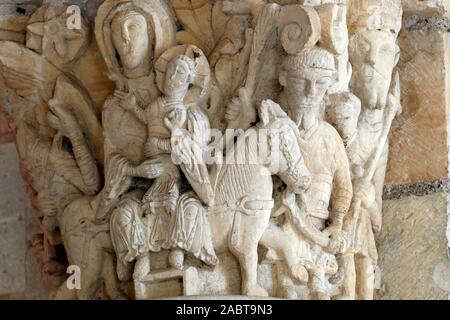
(416, 189)
(414, 22)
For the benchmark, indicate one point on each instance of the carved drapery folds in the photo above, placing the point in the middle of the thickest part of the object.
(243, 141)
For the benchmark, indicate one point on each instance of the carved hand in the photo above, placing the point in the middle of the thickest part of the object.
(175, 120)
(63, 120)
(120, 81)
(336, 239)
(128, 99)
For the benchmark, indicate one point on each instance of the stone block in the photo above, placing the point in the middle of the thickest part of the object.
(419, 137)
(413, 248)
(427, 7)
(168, 283)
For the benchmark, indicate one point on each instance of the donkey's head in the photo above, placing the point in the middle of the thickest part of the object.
(286, 159)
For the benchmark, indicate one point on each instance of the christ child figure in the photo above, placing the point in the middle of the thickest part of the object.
(162, 196)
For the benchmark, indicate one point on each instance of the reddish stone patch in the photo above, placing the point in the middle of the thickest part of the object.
(7, 127)
(52, 267)
(29, 189)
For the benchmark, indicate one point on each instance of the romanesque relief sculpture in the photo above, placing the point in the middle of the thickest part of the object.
(373, 54)
(328, 198)
(238, 195)
(59, 136)
(234, 148)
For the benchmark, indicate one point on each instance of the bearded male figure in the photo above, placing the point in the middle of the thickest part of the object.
(306, 78)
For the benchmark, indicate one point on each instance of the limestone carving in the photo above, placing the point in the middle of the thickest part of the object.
(233, 148)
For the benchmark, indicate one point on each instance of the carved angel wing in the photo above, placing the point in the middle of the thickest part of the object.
(25, 83)
(27, 73)
(76, 99)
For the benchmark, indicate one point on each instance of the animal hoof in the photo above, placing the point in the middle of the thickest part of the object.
(256, 291)
(300, 273)
(142, 267)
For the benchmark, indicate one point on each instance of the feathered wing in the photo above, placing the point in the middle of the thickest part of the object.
(72, 114)
(29, 74)
(77, 100)
(58, 172)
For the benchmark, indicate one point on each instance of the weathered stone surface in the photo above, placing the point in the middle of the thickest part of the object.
(34, 288)
(413, 248)
(419, 138)
(59, 114)
(12, 256)
(11, 19)
(13, 203)
(426, 7)
(6, 127)
(19, 274)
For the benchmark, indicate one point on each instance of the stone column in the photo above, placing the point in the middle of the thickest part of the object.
(413, 244)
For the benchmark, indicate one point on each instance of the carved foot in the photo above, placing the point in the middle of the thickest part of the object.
(176, 259)
(300, 273)
(142, 267)
(255, 291)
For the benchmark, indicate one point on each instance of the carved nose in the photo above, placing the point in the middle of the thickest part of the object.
(311, 89)
(306, 181)
(371, 58)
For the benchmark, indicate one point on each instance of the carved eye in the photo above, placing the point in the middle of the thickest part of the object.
(296, 81)
(322, 82)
